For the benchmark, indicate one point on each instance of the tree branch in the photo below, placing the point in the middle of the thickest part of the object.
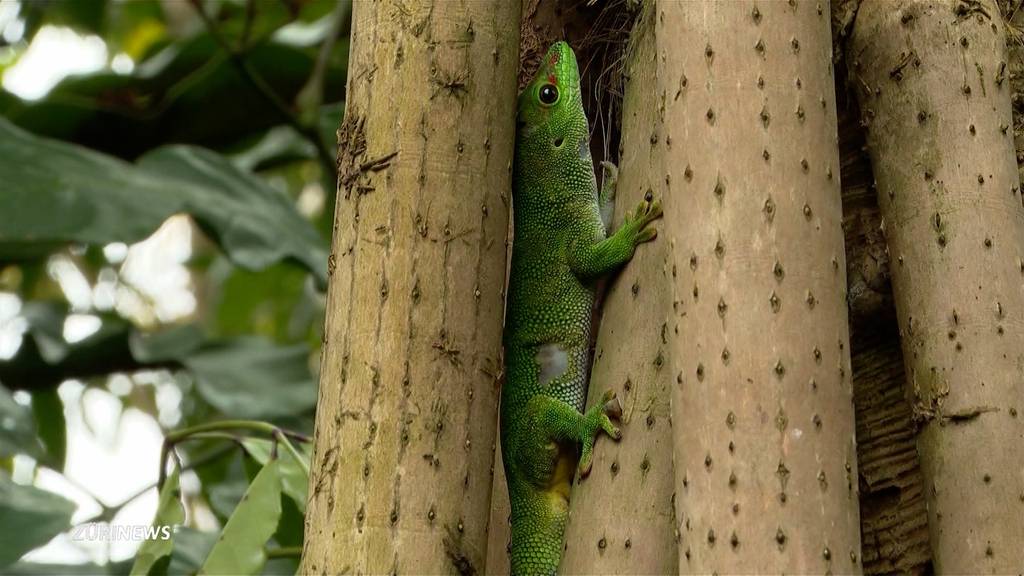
(92, 358)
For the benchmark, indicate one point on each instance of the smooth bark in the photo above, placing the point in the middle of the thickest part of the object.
(621, 515)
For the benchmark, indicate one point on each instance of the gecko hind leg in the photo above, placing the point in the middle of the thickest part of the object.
(556, 421)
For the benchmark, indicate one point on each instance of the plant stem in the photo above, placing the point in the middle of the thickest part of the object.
(108, 512)
(295, 454)
(218, 430)
(180, 434)
(285, 552)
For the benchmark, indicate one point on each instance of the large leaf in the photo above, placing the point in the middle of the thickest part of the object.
(17, 435)
(52, 428)
(57, 192)
(29, 517)
(241, 547)
(267, 303)
(77, 195)
(171, 343)
(252, 378)
(294, 480)
(224, 486)
(46, 325)
(188, 92)
(169, 514)
(254, 223)
(279, 145)
(191, 547)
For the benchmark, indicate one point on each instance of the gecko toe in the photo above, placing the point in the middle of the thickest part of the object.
(613, 408)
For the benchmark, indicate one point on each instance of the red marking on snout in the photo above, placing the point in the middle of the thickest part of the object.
(552, 79)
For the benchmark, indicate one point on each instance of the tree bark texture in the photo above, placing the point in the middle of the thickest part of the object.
(931, 79)
(765, 456)
(499, 534)
(621, 515)
(402, 466)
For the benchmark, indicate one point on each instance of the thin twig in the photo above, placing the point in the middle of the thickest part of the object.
(108, 512)
(295, 453)
(285, 552)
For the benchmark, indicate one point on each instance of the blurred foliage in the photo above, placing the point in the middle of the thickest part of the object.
(228, 115)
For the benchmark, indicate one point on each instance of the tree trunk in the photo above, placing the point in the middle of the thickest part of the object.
(499, 530)
(764, 444)
(932, 85)
(621, 515)
(401, 474)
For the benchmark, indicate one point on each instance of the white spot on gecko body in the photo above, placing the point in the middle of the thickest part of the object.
(553, 362)
(584, 149)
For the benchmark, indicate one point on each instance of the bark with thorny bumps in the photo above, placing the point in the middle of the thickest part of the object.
(621, 516)
(406, 421)
(934, 94)
(765, 456)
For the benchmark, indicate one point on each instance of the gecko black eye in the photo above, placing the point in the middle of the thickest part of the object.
(548, 94)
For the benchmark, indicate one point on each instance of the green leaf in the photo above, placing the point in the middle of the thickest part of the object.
(280, 144)
(51, 427)
(190, 548)
(254, 223)
(134, 27)
(17, 435)
(188, 92)
(294, 481)
(169, 514)
(260, 303)
(291, 526)
(82, 15)
(226, 491)
(79, 195)
(169, 344)
(253, 379)
(240, 548)
(46, 325)
(29, 518)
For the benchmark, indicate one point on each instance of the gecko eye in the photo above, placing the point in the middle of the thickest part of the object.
(548, 94)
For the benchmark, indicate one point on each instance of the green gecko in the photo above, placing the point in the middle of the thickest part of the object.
(560, 250)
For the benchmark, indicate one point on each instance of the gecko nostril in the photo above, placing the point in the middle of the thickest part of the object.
(559, 141)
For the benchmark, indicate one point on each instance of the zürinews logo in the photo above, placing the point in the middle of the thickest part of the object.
(102, 532)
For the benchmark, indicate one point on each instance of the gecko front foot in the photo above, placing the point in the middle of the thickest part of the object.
(647, 211)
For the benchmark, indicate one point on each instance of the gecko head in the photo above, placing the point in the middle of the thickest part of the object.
(550, 119)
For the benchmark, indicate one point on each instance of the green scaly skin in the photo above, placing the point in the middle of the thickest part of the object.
(560, 250)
